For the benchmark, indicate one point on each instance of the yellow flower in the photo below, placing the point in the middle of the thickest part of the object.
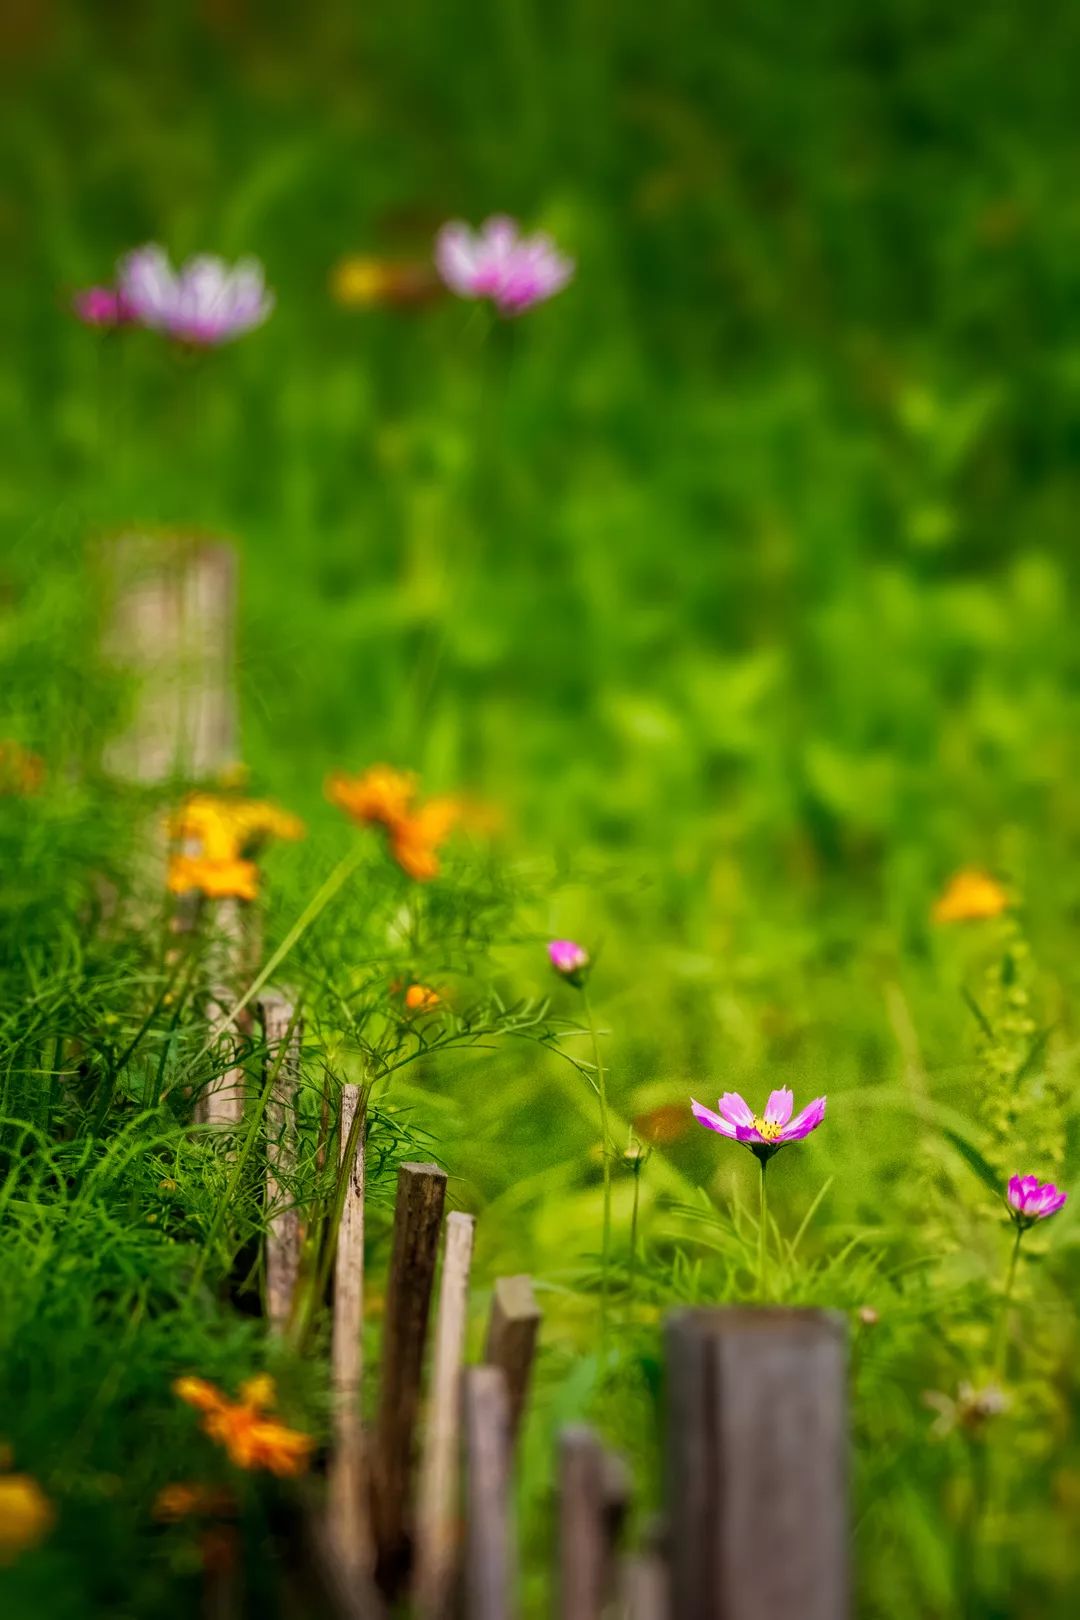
(251, 1439)
(363, 282)
(21, 772)
(218, 879)
(970, 896)
(26, 1515)
(421, 998)
(225, 828)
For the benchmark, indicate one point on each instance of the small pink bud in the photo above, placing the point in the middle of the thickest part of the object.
(570, 960)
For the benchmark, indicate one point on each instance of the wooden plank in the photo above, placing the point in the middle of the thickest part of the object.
(488, 1583)
(644, 1588)
(513, 1329)
(329, 1587)
(347, 1502)
(757, 1465)
(436, 1560)
(221, 1101)
(417, 1218)
(583, 1554)
(276, 1014)
(170, 628)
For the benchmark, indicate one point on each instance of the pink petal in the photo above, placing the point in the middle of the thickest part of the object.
(809, 1120)
(735, 1110)
(750, 1133)
(779, 1106)
(711, 1121)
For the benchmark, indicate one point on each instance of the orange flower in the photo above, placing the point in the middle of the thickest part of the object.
(422, 998)
(26, 1515)
(379, 796)
(251, 1439)
(193, 1501)
(664, 1124)
(414, 841)
(218, 879)
(20, 771)
(970, 896)
(385, 797)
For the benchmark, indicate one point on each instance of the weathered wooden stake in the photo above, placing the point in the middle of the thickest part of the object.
(417, 1219)
(348, 1504)
(283, 1236)
(489, 1539)
(221, 1101)
(757, 1462)
(436, 1560)
(512, 1333)
(171, 627)
(583, 1557)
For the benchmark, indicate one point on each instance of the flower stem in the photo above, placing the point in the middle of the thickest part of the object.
(633, 1230)
(763, 1220)
(1003, 1326)
(605, 1245)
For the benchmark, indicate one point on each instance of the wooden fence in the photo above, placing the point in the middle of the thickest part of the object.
(415, 1515)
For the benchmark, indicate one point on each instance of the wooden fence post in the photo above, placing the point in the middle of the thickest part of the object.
(757, 1465)
(489, 1542)
(222, 1099)
(583, 1558)
(171, 626)
(436, 1551)
(417, 1218)
(348, 1504)
(283, 1235)
(512, 1333)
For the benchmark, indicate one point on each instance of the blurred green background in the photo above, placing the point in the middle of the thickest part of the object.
(740, 577)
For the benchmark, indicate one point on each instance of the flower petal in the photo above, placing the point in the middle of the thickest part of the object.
(809, 1120)
(735, 1109)
(711, 1121)
(779, 1106)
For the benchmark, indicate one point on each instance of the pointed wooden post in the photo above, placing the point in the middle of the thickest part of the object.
(417, 1220)
(757, 1436)
(279, 1024)
(348, 1502)
(489, 1538)
(513, 1328)
(436, 1561)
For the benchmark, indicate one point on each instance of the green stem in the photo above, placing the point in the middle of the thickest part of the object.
(1001, 1355)
(601, 1088)
(633, 1229)
(763, 1218)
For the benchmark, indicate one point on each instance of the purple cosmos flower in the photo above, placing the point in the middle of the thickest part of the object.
(102, 306)
(205, 302)
(570, 961)
(1033, 1200)
(497, 262)
(764, 1134)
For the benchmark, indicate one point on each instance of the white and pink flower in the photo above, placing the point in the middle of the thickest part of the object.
(497, 262)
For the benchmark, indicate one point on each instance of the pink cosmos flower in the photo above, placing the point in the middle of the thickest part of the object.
(497, 262)
(1033, 1200)
(570, 961)
(764, 1134)
(205, 302)
(102, 306)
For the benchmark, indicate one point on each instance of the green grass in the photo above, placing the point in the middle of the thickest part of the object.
(741, 577)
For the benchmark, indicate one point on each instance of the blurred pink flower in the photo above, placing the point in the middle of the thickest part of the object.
(1033, 1200)
(570, 960)
(205, 302)
(497, 262)
(102, 306)
(766, 1133)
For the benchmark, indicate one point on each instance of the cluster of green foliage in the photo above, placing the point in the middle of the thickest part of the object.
(741, 577)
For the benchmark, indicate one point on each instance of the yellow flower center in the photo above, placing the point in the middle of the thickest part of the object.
(767, 1130)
